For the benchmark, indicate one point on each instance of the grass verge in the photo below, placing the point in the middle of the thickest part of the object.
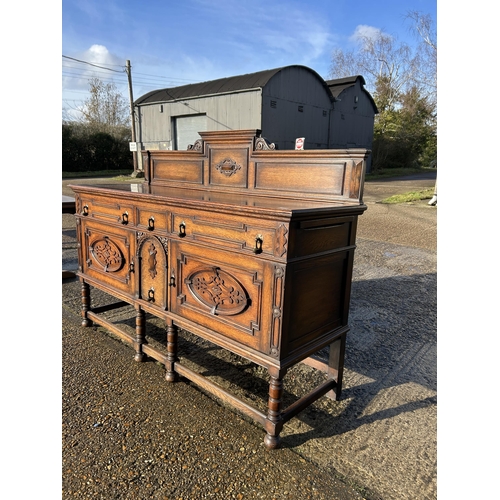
(425, 194)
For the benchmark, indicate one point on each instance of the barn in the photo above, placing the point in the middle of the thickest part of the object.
(284, 103)
(353, 114)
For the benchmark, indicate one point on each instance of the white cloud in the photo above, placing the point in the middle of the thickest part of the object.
(363, 32)
(99, 54)
(76, 74)
(79, 68)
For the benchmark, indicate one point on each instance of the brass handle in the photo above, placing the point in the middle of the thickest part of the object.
(151, 223)
(85, 210)
(125, 218)
(182, 229)
(151, 295)
(131, 267)
(258, 244)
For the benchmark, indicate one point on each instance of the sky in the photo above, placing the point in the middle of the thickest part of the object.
(172, 43)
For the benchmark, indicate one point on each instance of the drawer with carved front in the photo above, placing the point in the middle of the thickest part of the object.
(232, 232)
(105, 209)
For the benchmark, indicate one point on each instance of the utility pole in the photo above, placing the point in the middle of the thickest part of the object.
(132, 113)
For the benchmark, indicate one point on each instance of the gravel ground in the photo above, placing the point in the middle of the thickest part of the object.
(127, 434)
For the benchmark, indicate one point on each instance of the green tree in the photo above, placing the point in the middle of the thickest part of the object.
(87, 150)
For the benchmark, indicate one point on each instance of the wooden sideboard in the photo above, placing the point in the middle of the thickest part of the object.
(246, 246)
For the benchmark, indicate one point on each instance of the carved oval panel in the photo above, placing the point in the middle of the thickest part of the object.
(107, 254)
(218, 290)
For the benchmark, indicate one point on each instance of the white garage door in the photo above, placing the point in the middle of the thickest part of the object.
(187, 128)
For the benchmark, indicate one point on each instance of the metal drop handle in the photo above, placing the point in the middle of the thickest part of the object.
(258, 244)
(172, 280)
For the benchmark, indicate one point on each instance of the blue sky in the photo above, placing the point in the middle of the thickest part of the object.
(171, 43)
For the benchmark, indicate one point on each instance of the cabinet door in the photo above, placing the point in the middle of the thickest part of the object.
(228, 293)
(152, 266)
(107, 255)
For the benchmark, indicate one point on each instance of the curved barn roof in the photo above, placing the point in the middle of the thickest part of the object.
(220, 86)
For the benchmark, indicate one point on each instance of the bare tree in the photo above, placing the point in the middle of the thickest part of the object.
(383, 62)
(402, 80)
(106, 109)
(422, 26)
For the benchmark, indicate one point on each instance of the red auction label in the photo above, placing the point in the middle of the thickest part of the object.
(299, 143)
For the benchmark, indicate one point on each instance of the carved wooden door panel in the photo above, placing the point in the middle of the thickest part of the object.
(108, 255)
(224, 291)
(152, 267)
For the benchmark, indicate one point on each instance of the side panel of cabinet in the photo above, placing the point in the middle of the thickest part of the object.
(225, 292)
(316, 298)
(108, 255)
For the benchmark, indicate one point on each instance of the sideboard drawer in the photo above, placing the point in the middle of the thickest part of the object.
(231, 232)
(151, 220)
(107, 210)
(321, 235)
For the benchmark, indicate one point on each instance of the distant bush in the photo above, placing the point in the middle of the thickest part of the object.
(85, 149)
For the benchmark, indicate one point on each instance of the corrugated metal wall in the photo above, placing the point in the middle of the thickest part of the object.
(239, 110)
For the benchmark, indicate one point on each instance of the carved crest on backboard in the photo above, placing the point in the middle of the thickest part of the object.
(227, 167)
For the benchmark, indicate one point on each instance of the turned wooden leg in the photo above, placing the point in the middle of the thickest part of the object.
(274, 422)
(171, 375)
(85, 304)
(140, 333)
(336, 365)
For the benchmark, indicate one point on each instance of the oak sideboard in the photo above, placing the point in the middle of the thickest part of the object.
(243, 245)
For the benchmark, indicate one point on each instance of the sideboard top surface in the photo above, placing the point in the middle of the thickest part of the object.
(242, 203)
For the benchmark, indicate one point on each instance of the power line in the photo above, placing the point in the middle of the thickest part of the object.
(88, 77)
(169, 78)
(91, 64)
(156, 80)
